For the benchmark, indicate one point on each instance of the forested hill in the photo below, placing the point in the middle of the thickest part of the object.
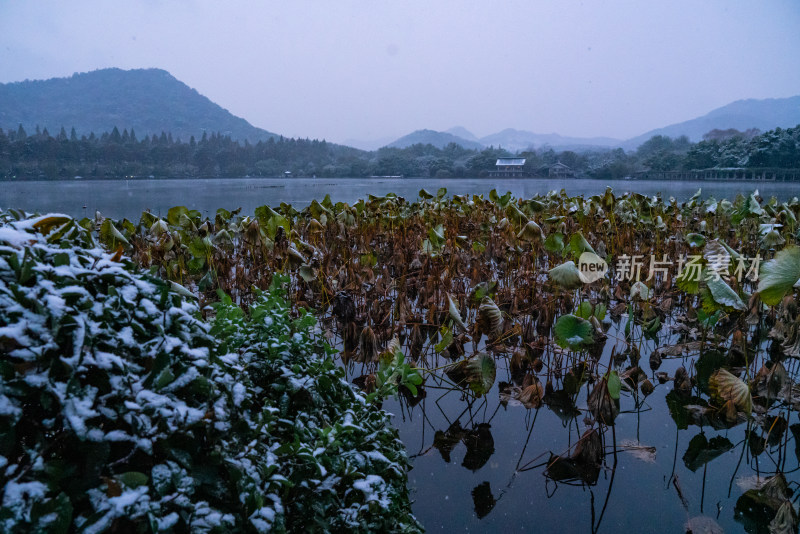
(437, 139)
(743, 115)
(119, 154)
(149, 101)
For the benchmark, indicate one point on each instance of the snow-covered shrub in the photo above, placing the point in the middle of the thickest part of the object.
(120, 410)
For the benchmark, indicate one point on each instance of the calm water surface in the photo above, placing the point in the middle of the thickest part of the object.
(128, 198)
(495, 477)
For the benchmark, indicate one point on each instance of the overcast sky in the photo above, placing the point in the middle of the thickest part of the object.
(374, 69)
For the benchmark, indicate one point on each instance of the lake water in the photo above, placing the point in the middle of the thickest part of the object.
(128, 198)
(495, 478)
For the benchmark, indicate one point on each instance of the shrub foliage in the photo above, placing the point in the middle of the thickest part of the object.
(121, 410)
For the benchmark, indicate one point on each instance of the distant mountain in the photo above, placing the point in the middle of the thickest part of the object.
(463, 133)
(437, 139)
(148, 100)
(370, 145)
(764, 114)
(517, 140)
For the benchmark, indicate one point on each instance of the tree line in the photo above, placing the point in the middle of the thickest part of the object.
(41, 155)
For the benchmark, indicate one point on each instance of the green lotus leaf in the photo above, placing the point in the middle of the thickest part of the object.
(110, 236)
(174, 214)
(723, 294)
(573, 332)
(515, 215)
(531, 232)
(447, 339)
(554, 243)
(566, 275)
(779, 275)
(307, 273)
(454, 312)
(614, 385)
(584, 310)
(695, 240)
(578, 245)
(480, 373)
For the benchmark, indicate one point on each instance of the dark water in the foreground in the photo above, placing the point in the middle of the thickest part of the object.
(639, 496)
(128, 198)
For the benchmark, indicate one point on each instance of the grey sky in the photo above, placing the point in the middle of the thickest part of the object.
(372, 69)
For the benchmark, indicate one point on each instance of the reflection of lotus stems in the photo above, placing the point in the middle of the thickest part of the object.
(703, 489)
(744, 446)
(675, 457)
(595, 528)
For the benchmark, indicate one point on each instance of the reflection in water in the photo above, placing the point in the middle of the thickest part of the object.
(483, 499)
(480, 447)
(558, 461)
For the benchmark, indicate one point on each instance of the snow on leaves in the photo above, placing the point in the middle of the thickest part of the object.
(121, 409)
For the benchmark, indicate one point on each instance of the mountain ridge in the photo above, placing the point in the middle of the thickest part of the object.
(151, 101)
(147, 100)
(764, 114)
(432, 137)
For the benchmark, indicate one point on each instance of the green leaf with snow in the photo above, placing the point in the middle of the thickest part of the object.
(695, 240)
(573, 332)
(566, 275)
(110, 236)
(454, 312)
(531, 232)
(723, 294)
(641, 291)
(779, 275)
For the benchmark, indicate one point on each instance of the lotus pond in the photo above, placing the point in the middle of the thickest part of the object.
(660, 396)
